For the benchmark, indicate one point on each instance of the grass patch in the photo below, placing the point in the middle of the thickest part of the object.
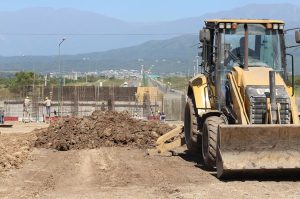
(177, 83)
(95, 81)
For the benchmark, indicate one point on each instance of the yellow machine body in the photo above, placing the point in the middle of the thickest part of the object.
(244, 146)
(257, 148)
(241, 145)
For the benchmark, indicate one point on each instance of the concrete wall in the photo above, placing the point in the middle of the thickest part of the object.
(173, 106)
(68, 108)
(83, 100)
(89, 93)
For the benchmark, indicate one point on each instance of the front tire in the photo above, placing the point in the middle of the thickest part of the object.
(209, 140)
(190, 128)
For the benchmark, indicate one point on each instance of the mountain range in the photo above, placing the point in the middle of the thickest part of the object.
(163, 55)
(29, 38)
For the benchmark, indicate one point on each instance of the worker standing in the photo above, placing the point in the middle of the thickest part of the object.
(103, 107)
(1, 115)
(48, 106)
(26, 107)
(162, 117)
(158, 115)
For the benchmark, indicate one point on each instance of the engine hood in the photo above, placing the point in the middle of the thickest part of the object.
(254, 76)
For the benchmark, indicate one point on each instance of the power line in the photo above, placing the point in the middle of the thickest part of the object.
(97, 34)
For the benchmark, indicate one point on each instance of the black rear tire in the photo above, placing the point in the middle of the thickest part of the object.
(191, 136)
(209, 140)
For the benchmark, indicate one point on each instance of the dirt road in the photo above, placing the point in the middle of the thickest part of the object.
(21, 128)
(128, 173)
(117, 172)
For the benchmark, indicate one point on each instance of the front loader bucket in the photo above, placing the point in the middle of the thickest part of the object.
(258, 149)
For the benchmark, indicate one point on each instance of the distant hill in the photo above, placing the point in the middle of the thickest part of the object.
(37, 31)
(170, 55)
(166, 56)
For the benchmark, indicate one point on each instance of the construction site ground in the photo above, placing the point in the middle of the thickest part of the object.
(122, 172)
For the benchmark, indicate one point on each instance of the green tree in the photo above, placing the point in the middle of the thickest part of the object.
(22, 82)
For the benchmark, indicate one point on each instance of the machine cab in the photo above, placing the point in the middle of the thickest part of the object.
(244, 43)
(241, 43)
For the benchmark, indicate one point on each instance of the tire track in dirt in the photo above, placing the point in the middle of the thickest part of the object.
(36, 178)
(128, 173)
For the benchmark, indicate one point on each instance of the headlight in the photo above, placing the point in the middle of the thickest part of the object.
(275, 26)
(221, 25)
(281, 26)
(228, 25)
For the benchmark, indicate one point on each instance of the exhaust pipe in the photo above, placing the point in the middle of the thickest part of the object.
(273, 97)
(246, 50)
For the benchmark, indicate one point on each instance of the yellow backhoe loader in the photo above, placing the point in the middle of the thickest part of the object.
(241, 113)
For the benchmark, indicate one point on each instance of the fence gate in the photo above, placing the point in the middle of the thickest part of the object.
(173, 106)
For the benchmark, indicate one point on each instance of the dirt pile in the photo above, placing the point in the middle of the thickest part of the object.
(101, 129)
(15, 149)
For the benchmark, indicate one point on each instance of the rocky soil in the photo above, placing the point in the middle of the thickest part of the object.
(101, 129)
(15, 149)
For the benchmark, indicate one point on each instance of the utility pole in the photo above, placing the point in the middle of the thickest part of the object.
(197, 60)
(59, 45)
(60, 79)
(45, 78)
(194, 68)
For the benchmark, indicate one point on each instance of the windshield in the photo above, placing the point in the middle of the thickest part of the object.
(264, 48)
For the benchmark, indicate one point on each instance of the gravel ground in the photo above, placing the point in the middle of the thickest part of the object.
(120, 172)
(101, 129)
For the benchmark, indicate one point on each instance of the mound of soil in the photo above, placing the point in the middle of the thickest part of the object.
(15, 149)
(101, 129)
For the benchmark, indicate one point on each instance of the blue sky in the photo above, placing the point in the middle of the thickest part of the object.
(140, 10)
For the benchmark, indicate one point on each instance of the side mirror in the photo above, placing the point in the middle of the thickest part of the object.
(297, 36)
(204, 35)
